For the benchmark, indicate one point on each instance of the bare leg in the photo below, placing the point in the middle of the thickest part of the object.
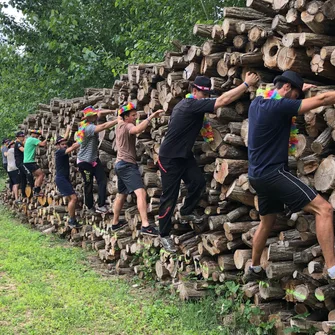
(39, 175)
(323, 212)
(15, 191)
(260, 237)
(142, 205)
(72, 206)
(118, 204)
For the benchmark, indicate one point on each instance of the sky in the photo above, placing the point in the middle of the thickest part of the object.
(12, 11)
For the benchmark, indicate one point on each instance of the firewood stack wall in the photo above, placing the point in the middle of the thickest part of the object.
(266, 37)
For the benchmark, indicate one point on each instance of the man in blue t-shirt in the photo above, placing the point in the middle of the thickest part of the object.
(63, 175)
(176, 160)
(270, 119)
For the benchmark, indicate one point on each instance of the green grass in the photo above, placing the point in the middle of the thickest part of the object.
(47, 287)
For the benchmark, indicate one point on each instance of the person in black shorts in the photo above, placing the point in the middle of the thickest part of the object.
(63, 176)
(4, 149)
(18, 154)
(269, 140)
(13, 171)
(176, 159)
(31, 167)
(126, 168)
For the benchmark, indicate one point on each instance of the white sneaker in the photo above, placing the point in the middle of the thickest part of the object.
(102, 210)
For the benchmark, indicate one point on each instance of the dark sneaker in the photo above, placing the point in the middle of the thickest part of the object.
(91, 211)
(38, 194)
(119, 226)
(18, 202)
(74, 224)
(251, 275)
(330, 280)
(150, 230)
(168, 244)
(102, 210)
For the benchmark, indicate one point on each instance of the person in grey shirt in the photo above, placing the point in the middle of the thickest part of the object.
(87, 159)
(4, 149)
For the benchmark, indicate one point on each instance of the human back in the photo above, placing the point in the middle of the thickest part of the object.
(30, 149)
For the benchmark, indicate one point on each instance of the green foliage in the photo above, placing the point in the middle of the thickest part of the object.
(238, 315)
(63, 46)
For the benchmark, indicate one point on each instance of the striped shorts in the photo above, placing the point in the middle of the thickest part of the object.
(279, 188)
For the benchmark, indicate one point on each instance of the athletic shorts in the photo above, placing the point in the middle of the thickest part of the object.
(64, 186)
(279, 188)
(30, 167)
(128, 176)
(15, 177)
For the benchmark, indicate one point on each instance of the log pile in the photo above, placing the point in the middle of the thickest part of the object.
(267, 37)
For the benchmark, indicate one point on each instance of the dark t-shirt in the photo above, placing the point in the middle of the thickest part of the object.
(18, 154)
(269, 133)
(185, 124)
(62, 163)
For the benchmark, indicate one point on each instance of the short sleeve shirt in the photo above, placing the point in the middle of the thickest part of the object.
(269, 132)
(18, 154)
(185, 124)
(3, 150)
(11, 160)
(62, 163)
(125, 143)
(88, 151)
(30, 149)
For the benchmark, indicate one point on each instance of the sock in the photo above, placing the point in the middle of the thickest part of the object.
(256, 268)
(331, 272)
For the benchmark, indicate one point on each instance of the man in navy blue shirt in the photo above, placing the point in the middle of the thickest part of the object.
(63, 175)
(176, 159)
(270, 120)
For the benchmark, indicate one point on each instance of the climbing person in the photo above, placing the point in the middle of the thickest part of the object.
(31, 167)
(18, 154)
(62, 178)
(271, 137)
(4, 149)
(176, 159)
(126, 168)
(13, 171)
(87, 158)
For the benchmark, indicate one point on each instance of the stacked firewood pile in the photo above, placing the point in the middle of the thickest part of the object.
(267, 37)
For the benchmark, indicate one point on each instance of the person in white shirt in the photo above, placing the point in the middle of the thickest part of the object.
(13, 171)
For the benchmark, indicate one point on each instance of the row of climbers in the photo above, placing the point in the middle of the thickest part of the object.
(271, 119)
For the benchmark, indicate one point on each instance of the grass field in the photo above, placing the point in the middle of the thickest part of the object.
(48, 287)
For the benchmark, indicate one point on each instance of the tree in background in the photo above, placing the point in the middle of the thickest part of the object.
(63, 46)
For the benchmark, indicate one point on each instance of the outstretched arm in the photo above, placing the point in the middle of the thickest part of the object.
(141, 127)
(103, 126)
(324, 99)
(104, 112)
(232, 95)
(73, 147)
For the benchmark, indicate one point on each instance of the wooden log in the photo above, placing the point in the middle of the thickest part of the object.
(281, 269)
(325, 175)
(241, 257)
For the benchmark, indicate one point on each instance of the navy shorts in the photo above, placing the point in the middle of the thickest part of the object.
(279, 188)
(128, 177)
(64, 186)
(14, 177)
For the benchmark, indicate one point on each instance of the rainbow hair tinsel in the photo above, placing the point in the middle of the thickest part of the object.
(80, 133)
(126, 108)
(206, 131)
(293, 141)
(89, 111)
